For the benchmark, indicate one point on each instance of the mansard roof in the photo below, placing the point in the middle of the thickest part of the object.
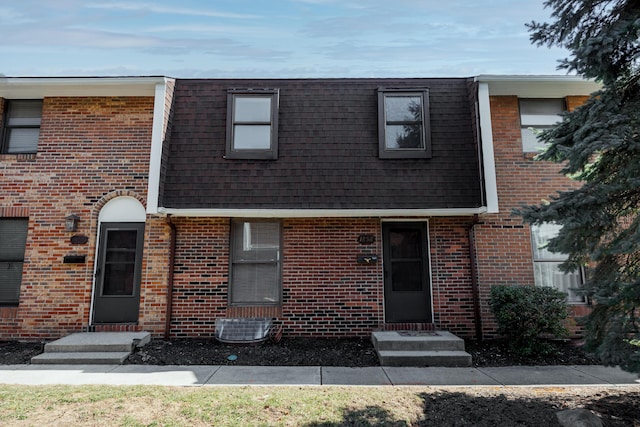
(327, 149)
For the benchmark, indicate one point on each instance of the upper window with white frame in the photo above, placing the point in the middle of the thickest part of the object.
(546, 264)
(13, 238)
(21, 126)
(404, 127)
(255, 263)
(535, 116)
(252, 124)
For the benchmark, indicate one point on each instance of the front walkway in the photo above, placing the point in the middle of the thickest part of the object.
(202, 375)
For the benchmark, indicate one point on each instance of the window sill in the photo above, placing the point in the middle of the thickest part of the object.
(20, 157)
(10, 312)
(404, 154)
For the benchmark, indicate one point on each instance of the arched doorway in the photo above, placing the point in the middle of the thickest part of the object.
(118, 269)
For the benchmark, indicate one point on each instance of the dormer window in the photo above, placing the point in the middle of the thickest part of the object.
(252, 124)
(403, 120)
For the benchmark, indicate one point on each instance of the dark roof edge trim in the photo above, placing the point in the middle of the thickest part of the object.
(319, 213)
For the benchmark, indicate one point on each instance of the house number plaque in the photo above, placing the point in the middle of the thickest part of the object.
(366, 239)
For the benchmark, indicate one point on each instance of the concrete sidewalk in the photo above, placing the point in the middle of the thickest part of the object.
(207, 375)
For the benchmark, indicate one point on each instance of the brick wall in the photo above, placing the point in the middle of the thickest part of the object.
(325, 292)
(451, 275)
(90, 150)
(503, 242)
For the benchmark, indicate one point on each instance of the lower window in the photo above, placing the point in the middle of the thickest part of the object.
(255, 263)
(13, 238)
(546, 264)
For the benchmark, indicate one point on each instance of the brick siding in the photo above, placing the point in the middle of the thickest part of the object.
(90, 150)
(325, 292)
(503, 242)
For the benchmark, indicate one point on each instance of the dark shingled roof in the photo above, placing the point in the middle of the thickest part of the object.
(328, 149)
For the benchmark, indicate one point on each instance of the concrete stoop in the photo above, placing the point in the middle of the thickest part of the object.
(420, 348)
(92, 348)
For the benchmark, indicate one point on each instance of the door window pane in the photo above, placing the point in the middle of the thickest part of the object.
(118, 279)
(407, 276)
(121, 239)
(120, 261)
(405, 244)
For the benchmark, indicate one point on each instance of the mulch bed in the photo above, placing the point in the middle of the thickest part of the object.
(351, 352)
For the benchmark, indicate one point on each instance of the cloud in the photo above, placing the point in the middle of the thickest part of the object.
(10, 16)
(168, 10)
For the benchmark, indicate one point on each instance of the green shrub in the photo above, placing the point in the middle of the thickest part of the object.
(527, 313)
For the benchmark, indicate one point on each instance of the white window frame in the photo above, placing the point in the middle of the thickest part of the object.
(565, 282)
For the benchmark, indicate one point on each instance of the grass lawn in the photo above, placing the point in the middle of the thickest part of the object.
(185, 406)
(293, 406)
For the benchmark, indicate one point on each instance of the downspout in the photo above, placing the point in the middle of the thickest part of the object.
(172, 256)
(475, 291)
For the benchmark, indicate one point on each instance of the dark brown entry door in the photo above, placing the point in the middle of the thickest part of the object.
(117, 289)
(407, 289)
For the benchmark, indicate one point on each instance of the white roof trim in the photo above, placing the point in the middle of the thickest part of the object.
(488, 158)
(157, 140)
(538, 86)
(319, 213)
(40, 87)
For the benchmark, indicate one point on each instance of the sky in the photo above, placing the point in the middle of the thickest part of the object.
(272, 38)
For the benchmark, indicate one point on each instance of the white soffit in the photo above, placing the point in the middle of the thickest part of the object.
(538, 86)
(41, 87)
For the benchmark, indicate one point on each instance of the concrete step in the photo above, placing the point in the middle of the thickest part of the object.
(81, 358)
(424, 358)
(92, 348)
(98, 342)
(417, 341)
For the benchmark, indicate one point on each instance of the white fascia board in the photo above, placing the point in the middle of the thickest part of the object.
(157, 140)
(318, 213)
(525, 86)
(41, 87)
(488, 159)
